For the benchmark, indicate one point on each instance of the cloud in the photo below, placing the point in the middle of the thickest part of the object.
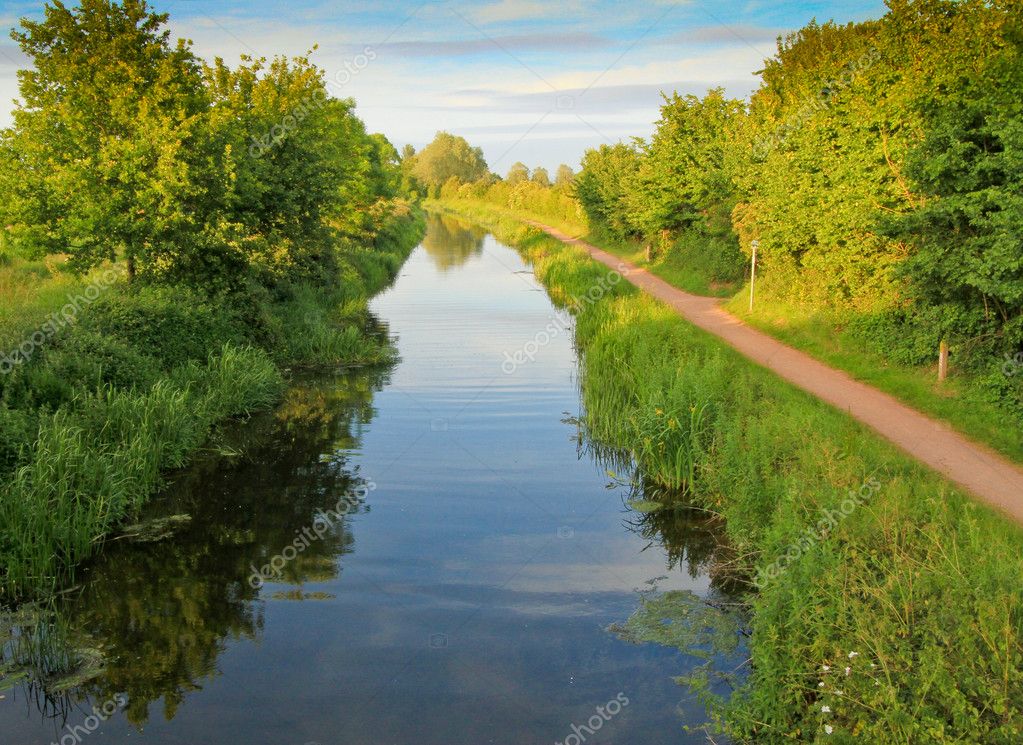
(731, 67)
(517, 42)
(520, 10)
(622, 99)
(727, 34)
(546, 130)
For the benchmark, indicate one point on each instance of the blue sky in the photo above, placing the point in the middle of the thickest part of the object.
(527, 80)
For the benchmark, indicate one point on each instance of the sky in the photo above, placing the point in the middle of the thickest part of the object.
(535, 81)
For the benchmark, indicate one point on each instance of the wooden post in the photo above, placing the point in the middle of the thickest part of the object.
(752, 272)
(943, 360)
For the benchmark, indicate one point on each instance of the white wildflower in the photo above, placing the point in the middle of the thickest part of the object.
(853, 654)
(847, 671)
(828, 728)
(825, 668)
(826, 709)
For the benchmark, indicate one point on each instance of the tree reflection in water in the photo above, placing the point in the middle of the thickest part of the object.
(712, 628)
(151, 619)
(451, 242)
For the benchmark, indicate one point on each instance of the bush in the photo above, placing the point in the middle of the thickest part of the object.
(908, 336)
(171, 325)
(717, 258)
(86, 359)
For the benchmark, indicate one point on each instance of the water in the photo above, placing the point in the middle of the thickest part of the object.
(464, 597)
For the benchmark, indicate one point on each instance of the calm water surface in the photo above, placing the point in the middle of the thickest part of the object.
(464, 598)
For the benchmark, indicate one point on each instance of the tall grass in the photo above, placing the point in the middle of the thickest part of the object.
(331, 326)
(915, 590)
(95, 466)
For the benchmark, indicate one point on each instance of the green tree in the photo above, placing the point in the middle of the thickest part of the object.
(518, 173)
(109, 137)
(540, 177)
(303, 168)
(966, 232)
(682, 181)
(385, 167)
(410, 184)
(605, 188)
(564, 177)
(449, 156)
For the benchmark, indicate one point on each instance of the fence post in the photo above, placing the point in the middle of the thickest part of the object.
(752, 272)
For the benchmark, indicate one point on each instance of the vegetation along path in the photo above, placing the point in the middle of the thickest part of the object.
(981, 471)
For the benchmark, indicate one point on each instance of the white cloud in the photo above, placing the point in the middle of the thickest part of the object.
(712, 68)
(520, 10)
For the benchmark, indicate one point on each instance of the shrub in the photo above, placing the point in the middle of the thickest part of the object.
(172, 325)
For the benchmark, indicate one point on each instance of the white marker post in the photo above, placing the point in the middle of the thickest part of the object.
(752, 272)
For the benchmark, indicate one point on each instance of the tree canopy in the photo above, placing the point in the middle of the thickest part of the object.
(449, 156)
(127, 146)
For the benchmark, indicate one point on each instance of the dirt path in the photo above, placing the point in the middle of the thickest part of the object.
(985, 474)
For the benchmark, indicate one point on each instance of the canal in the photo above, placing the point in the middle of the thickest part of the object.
(427, 553)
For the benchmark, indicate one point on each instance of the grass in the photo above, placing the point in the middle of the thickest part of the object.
(855, 556)
(958, 400)
(962, 401)
(31, 291)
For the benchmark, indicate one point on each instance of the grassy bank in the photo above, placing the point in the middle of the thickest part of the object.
(885, 604)
(980, 400)
(118, 383)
